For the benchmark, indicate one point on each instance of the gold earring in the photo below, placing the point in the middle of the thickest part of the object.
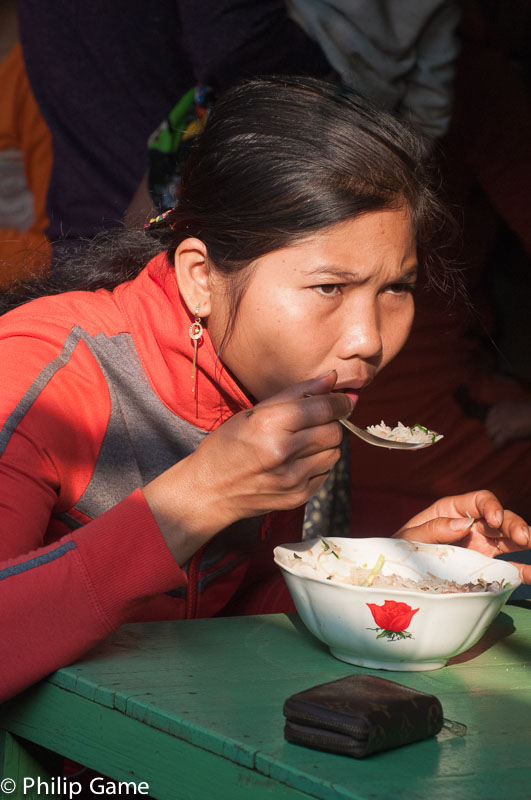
(195, 331)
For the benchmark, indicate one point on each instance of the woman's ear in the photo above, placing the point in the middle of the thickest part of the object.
(193, 276)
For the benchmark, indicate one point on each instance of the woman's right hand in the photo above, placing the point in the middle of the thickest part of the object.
(272, 457)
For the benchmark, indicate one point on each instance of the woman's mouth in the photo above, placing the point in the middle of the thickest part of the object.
(353, 389)
(352, 393)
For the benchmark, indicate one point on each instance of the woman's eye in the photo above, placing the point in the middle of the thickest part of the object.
(328, 289)
(399, 288)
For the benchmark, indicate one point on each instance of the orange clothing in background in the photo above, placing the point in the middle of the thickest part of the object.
(25, 148)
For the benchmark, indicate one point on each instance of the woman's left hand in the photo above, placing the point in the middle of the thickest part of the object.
(476, 520)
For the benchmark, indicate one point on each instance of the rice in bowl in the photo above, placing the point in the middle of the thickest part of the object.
(326, 560)
(416, 606)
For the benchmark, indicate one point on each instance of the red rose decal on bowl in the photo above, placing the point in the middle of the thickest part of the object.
(392, 619)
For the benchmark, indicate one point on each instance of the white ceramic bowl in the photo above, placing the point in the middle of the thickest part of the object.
(422, 633)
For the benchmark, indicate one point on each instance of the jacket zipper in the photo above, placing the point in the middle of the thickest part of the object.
(265, 527)
(192, 594)
(191, 591)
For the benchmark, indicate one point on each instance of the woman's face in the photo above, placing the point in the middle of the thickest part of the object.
(341, 300)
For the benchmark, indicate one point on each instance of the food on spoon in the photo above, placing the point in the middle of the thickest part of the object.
(412, 434)
(323, 567)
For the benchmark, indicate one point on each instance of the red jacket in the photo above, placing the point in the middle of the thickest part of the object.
(96, 401)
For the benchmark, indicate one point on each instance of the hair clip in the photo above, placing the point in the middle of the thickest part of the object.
(156, 220)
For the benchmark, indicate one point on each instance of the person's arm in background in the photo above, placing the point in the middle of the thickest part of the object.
(429, 94)
(400, 55)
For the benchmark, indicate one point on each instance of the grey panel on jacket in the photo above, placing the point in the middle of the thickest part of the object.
(142, 440)
(143, 436)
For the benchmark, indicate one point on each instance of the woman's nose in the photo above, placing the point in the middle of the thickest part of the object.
(361, 334)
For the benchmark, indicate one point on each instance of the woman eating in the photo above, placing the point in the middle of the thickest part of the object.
(162, 433)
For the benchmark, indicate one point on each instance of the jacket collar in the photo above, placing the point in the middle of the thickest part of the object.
(159, 322)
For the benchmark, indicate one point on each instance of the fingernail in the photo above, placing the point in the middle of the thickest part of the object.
(498, 516)
(324, 375)
(459, 524)
(521, 536)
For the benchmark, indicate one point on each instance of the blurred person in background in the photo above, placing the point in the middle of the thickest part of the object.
(25, 162)
(451, 375)
(106, 74)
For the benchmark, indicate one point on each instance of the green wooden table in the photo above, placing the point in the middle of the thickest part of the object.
(194, 709)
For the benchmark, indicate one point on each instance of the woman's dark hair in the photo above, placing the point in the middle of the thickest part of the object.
(281, 158)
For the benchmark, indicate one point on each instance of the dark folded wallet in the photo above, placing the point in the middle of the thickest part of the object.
(360, 715)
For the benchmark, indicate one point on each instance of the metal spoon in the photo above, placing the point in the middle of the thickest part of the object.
(379, 441)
